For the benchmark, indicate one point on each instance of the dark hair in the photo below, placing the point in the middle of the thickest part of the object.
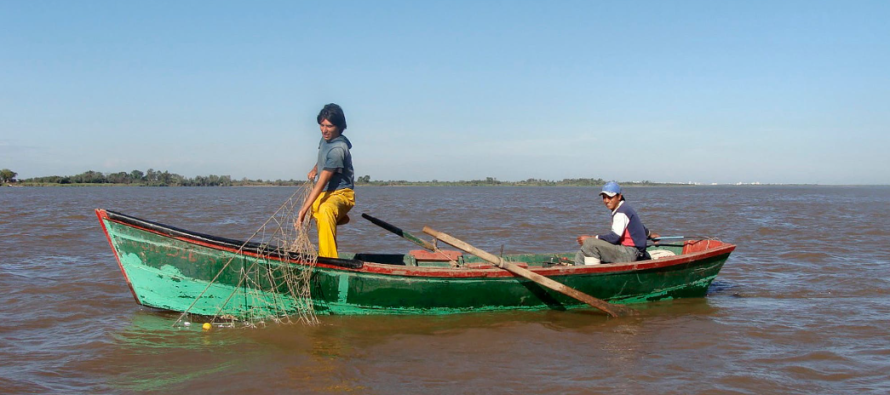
(334, 114)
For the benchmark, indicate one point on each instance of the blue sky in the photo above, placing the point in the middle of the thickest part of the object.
(704, 91)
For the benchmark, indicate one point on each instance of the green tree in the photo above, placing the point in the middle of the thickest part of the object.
(136, 176)
(89, 177)
(151, 177)
(165, 178)
(7, 175)
(120, 177)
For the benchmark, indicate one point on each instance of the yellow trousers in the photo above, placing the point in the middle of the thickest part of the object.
(328, 209)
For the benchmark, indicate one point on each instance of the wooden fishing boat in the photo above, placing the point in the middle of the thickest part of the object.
(175, 269)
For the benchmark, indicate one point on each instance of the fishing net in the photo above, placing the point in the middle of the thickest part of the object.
(273, 270)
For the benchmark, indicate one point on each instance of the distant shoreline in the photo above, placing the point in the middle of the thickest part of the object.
(396, 184)
(158, 178)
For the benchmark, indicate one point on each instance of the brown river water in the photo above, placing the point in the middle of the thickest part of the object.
(801, 307)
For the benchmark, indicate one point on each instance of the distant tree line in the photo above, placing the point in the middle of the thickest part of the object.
(153, 177)
(491, 181)
(150, 177)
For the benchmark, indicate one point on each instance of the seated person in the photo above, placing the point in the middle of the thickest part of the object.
(627, 240)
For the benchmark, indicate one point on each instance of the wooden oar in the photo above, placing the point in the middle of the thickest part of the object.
(399, 232)
(407, 236)
(613, 310)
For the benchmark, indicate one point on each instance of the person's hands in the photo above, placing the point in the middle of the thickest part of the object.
(301, 216)
(653, 235)
(312, 174)
(582, 238)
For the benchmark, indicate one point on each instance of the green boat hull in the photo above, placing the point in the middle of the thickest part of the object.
(173, 269)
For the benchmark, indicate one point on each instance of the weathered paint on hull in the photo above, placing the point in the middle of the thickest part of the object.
(181, 273)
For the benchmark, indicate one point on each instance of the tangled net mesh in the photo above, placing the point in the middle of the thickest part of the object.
(274, 270)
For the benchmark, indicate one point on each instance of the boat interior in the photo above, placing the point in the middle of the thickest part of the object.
(453, 258)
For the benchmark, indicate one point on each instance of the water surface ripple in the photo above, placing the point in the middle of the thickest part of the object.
(801, 307)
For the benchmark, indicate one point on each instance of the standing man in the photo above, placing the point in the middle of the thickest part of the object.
(332, 196)
(627, 240)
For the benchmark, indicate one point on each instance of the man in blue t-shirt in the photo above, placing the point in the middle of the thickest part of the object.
(627, 240)
(332, 196)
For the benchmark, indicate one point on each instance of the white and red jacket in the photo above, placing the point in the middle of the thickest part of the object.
(627, 230)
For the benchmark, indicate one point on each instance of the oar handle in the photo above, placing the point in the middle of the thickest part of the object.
(399, 232)
(608, 308)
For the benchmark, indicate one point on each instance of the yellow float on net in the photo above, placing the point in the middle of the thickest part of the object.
(207, 326)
